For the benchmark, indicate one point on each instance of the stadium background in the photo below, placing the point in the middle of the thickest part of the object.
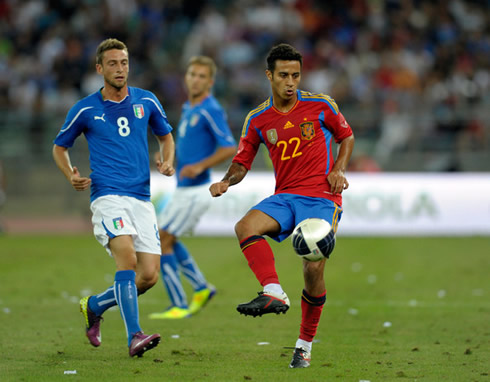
(410, 76)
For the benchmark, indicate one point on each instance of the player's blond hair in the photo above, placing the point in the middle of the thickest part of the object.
(204, 60)
(108, 44)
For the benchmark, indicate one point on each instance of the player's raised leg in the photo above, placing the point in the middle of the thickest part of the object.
(260, 258)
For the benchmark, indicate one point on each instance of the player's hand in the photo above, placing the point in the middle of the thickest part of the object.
(79, 182)
(191, 171)
(165, 168)
(338, 181)
(218, 189)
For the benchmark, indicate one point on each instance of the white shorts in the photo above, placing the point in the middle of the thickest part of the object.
(184, 209)
(115, 215)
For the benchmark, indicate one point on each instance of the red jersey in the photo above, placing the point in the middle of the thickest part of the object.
(299, 143)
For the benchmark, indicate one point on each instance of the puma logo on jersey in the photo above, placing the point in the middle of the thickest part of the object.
(96, 117)
(288, 125)
(344, 125)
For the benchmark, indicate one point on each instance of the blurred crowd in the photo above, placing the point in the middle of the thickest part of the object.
(409, 75)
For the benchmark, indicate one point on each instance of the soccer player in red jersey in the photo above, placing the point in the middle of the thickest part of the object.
(297, 127)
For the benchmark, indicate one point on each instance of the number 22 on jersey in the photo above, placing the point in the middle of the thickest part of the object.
(293, 143)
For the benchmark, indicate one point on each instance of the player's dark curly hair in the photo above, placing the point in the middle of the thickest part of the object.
(283, 52)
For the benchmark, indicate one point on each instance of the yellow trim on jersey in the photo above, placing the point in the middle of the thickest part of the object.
(320, 96)
(250, 115)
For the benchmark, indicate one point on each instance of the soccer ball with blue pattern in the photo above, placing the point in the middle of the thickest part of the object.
(313, 239)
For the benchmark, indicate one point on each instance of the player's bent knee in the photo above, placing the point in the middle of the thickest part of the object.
(145, 280)
(143, 284)
(244, 229)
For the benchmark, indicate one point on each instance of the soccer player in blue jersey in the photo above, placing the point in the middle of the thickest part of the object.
(297, 127)
(203, 141)
(115, 123)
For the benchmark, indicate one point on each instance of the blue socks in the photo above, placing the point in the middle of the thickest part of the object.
(171, 280)
(169, 266)
(189, 267)
(127, 298)
(103, 301)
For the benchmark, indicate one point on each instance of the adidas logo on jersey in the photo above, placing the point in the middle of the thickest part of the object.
(288, 125)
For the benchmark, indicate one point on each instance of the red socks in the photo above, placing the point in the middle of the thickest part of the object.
(311, 310)
(260, 259)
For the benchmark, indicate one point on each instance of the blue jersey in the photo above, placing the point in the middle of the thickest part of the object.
(202, 129)
(117, 136)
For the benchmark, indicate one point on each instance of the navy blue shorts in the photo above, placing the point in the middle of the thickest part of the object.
(289, 210)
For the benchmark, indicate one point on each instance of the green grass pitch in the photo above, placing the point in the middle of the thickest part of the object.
(398, 309)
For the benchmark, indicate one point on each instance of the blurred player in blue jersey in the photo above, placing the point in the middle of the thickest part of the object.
(203, 141)
(115, 123)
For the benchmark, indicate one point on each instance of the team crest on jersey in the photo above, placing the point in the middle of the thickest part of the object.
(194, 120)
(272, 136)
(139, 111)
(118, 223)
(307, 130)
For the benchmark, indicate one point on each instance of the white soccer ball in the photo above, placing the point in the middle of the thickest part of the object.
(313, 239)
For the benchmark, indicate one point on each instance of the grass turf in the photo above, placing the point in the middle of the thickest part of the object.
(414, 309)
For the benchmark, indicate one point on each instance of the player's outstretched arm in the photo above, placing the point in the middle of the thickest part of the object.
(236, 172)
(167, 153)
(62, 159)
(336, 177)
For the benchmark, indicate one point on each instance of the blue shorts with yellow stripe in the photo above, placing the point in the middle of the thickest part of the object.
(289, 210)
